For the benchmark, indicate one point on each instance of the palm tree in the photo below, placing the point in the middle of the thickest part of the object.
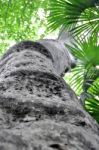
(38, 110)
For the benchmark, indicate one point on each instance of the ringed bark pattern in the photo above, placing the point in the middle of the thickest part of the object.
(38, 110)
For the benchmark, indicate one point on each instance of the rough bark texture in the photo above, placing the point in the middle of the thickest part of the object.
(38, 110)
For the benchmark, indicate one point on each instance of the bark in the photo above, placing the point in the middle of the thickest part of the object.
(38, 110)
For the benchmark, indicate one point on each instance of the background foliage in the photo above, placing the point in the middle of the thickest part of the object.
(21, 20)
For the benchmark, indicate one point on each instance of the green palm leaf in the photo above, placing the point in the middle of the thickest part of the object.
(78, 15)
(92, 103)
(87, 54)
(77, 78)
(88, 22)
(94, 89)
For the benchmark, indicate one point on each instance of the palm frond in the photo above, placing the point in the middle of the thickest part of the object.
(94, 89)
(88, 22)
(77, 78)
(92, 106)
(77, 15)
(92, 103)
(87, 54)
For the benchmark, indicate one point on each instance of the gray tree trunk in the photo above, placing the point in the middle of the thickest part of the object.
(38, 110)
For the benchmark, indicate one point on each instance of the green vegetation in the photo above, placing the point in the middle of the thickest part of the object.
(21, 20)
(81, 18)
(32, 20)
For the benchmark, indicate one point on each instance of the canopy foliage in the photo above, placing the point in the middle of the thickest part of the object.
(21, 20)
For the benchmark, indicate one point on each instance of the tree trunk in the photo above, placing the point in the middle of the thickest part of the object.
(38, 110)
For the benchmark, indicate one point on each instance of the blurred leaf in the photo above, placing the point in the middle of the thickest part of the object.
(22, 20)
